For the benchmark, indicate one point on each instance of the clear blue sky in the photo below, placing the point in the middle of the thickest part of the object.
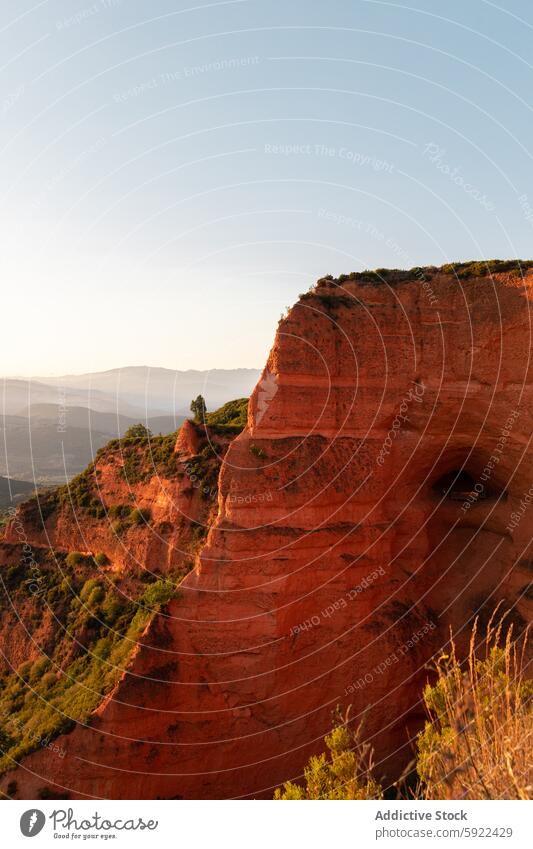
(173, 174)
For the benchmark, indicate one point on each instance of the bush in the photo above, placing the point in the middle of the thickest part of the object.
(101, 559)
(119, 511)
(474, 746)
(138, 431)
(38, 669)
(119, 528)
(230, 418)
(258, 452)
(97, 595)
(140, 516)
(88, 588)
(157, 594)
(344, 773)
(112, 607)
(74, 558)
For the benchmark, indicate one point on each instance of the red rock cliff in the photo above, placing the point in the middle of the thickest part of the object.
(365, 510)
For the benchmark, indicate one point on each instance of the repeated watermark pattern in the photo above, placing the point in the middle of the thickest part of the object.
(188, 72)
(355, 157)
(339, 603)
(413, 395)
(527, 209)
(10, 100)
(492, 462)
(436, 155)
(34, 583)
(518, 514)
(85, 14)
(391, 660)
(62, 409)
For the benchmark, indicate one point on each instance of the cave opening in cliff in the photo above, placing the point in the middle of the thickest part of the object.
(457, 485)
(460, 484)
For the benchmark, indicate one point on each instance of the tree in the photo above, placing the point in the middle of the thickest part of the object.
(199, 409)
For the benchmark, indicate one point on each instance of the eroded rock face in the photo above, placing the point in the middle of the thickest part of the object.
(366, 509)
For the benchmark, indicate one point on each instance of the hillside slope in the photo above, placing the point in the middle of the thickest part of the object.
(86, 567)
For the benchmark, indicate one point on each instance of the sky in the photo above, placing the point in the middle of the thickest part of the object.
(174, 174)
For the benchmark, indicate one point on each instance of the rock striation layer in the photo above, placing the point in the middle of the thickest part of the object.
(371, 504)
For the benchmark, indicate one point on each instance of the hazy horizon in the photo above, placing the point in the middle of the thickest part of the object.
(29, 376)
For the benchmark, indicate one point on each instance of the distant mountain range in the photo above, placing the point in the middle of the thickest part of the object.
(153, 390)
(12, 491)
(52, 426)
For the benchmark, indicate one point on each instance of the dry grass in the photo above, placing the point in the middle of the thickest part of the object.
(478, 742)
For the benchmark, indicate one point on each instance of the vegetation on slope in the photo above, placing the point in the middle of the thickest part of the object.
(476, 743)
(97, 619)
(230, 418)
(97, 629)
(141, 456)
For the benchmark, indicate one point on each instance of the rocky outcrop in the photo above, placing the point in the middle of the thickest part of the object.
(372, 503)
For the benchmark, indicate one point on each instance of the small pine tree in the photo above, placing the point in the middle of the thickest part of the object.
(199, 409)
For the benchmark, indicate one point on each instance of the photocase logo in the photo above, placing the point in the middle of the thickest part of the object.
(32, 822)
(267, 389)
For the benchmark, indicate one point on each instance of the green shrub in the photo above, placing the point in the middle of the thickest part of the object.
(89, 586)
(24, 670)
(345, 772)
(96, 596)
(119, 528)
(101, 559)
(230, 418)
(119, 511)
(74, 558)
(140, 516)
(258, 452)
(480, 715)
(138, 431)
(48, 680)
(111, 608)
(157, 594)
(38, 669)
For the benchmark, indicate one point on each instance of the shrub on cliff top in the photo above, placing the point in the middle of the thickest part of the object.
(461, 270)
(138, 431)
(230, 417)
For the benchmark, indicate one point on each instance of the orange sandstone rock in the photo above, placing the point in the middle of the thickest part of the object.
(366, 510)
